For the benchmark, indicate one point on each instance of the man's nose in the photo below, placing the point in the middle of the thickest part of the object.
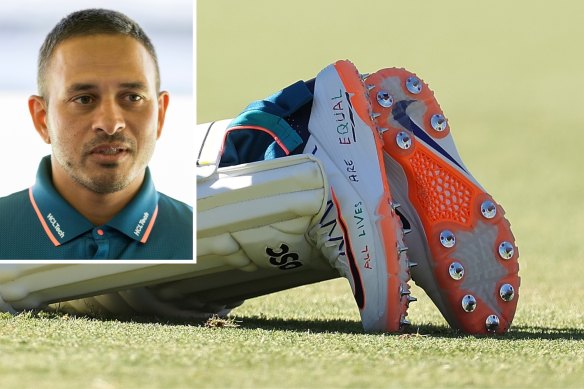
(109, 117)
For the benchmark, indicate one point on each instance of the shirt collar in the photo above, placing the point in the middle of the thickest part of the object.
(63, 223)
(137, 218)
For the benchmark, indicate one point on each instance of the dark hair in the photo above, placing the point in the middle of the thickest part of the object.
(91, 22)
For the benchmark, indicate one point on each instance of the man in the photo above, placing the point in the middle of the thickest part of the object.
(101, 109)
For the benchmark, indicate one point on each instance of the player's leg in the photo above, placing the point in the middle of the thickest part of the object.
(360, 233)
(32, 286)
(252, 223)
(460, 239)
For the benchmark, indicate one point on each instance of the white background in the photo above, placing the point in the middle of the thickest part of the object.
(23, 26)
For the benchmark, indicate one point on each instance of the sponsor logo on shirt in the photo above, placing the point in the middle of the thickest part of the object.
(56, 225)
(141, 223)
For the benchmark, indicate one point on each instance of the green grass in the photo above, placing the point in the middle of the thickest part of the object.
(508, 76)
(307, 337)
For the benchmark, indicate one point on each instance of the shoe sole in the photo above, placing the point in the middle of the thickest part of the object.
(373, 237)
(465, 250)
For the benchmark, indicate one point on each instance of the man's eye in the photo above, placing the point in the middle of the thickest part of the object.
(84, 100)
(134, 98)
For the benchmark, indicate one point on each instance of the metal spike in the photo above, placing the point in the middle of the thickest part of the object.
(403, 140)
(469, 303)
(384, 99)
(488, 209)
(395, 205)
(407, 231)
(375, 115)
(414, 85)
(403, 291)
(412, 299)
(506, 250)
(507, 292)
(401, 249)
(456, 271)
(364, 76)
(369, 87)
(412, 264)
(447, 238)
(381, 130)
(492, 323)
(438, 122)
(404, 320)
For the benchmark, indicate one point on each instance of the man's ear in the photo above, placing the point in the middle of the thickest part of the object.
(163, 99)
(37, 107)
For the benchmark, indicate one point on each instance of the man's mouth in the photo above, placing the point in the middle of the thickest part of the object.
(110, 154)
(109, 149)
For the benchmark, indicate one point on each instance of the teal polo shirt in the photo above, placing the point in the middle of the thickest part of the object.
(37, 223)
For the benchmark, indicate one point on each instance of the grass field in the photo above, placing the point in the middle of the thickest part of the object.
(508, 76)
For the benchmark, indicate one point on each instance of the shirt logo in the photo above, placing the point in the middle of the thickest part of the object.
(141, 223)
(56, 225)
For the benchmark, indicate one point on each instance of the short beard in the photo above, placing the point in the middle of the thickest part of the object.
(106, 186)
(102, 185)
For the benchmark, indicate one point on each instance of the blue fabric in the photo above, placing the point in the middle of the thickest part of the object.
(24, 237)
(285, 102)
(246, 144)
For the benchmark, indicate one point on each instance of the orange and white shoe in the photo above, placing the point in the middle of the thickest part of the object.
(458, 235)
(360, 233)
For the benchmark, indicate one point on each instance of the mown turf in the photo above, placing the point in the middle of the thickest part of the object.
(307, 337)
(509, 78)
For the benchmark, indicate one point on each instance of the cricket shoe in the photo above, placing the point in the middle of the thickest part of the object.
(360, 233)
(456, 233)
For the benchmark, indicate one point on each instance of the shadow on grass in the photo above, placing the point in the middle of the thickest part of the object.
(431, 330)
(299, 325)
(539, 332)
(517, 333)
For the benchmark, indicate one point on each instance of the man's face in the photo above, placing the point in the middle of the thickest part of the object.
(103, 113)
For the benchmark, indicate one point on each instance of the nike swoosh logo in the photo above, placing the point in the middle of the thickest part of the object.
(400, 115)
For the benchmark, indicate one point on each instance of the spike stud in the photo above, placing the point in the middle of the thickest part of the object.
(364, 76)
(375, 115)
(382, 130)
(492, 323)
(438, 122)
(403, 140)
(404, 291)
(488, 209)
(401, 249)
(507, 292)
(384, 99)
(414, 85)
(412, 299)
(469, 303)
(506, 250)
(370, 87)
(404, 322)
(447, 239)
(456, 271)
(412, 264)
(395, 205)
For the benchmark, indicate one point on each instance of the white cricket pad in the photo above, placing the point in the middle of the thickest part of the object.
(252, 221)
